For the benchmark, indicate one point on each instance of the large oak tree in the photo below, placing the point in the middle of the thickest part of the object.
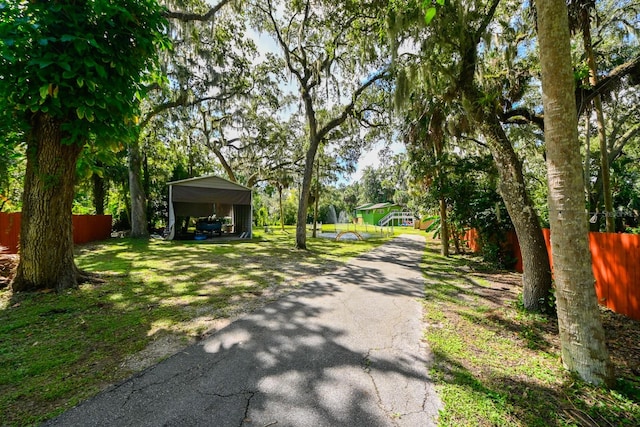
(330, 51)
(72, 76)
(454, 51)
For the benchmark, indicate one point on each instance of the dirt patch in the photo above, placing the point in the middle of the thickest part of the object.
(159, 349)
(500, 289)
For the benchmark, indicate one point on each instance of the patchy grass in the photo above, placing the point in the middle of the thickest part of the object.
(59, 349)
(499, 366)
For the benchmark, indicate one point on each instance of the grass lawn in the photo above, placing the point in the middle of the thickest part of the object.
(496, 365)
(56, 350)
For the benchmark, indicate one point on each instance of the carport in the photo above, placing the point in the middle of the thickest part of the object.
(207, 196)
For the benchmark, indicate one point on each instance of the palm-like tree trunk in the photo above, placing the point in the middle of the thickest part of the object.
(582, 337)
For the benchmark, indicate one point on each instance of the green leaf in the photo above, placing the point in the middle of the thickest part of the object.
(101, 71)
(440, 2)
(44, 91)
(65, 66)
(80, 81)
(41, 62)
(67, 38)
(429, 15)
(80, 112)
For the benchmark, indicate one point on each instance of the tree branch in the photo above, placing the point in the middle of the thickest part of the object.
(181, 101)
(281, 42)
(608, 83)
(482, 144)
(187, 16)
(522, 116)
(487, 20)
(337, 121)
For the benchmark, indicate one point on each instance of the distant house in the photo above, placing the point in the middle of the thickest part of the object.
(383, 214)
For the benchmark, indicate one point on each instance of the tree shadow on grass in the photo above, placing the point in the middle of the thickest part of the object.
(499, 399)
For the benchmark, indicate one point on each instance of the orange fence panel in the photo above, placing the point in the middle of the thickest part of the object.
(86, 228)
(10, 231)
(615, 259)
(472, 239)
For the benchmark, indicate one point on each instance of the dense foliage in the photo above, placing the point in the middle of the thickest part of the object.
(83, 63)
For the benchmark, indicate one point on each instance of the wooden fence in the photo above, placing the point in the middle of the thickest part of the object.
(86, 228)
(615, 259)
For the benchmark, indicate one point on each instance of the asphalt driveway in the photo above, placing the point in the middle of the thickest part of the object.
(343, 350)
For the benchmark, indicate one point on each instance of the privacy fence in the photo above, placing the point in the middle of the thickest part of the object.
(86, 228)
(615, 259)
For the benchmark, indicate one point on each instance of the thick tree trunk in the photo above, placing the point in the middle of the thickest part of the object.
(139, 227)
(303, 203)
(536, 280)
(46, 238)
(314, 142)
(582, 337)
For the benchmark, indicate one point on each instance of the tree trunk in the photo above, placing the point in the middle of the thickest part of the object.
(316, 201)
(46, 237)
(139, 227)
(303, 204)
(587, 161)
(610, 220)
(582, 337)
(226, 166)
(444, 228)
(536, 279)
(99, 193)
(314, 142)
(281, 207)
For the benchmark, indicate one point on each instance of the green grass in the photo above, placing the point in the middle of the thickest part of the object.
(59, 349)
(499, 366)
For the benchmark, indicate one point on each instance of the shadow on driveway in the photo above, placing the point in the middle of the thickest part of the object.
(344, 350)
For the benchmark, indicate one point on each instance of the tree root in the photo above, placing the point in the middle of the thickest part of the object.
(88, 277)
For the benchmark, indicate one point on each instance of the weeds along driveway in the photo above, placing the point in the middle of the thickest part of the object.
(344, 349)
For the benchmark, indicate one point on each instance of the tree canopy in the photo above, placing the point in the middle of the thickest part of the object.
(85, 66)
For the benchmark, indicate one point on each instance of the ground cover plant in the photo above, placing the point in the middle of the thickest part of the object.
(495, 364)
(157, 297)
